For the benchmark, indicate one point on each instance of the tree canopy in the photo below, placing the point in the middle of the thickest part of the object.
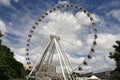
(115, 75)
(9, 67)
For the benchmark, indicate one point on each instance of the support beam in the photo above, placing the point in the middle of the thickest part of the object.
(69, 67)
(64, 58)
(56, 45)
(44, 54)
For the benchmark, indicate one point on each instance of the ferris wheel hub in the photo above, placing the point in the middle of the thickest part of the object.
(55, 36)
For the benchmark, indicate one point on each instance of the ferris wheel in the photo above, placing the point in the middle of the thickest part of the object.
(60, 43)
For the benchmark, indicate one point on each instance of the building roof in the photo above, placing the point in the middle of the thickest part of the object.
(93, 77)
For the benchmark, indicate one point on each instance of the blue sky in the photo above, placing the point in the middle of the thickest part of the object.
(18, 16)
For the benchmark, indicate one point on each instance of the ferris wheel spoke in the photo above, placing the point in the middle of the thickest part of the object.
(60, 58)
(68, 29)
(70, 52)
(45, 31)
(71, 43)
(61, 24)
(82, 22)
(69, 20)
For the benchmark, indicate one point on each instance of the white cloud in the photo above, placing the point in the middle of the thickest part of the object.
(99, 63)
(115, 14)
(16, 0)
(10, 24)
(22, 27)
(2, 27)
(20, 58)
(105, 41)
(20, 51)
(105, 6)
(96, 17)
(7, 2)
(63, 2)
(104, 47)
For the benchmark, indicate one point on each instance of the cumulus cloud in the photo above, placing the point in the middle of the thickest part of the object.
(105, 6)
(100, 62)
(20, 58)
(7, 2)
(2, 27)
(115, 14)
(104, 47)
(105, 41)
(63, 2)
(16, 0)
(96, 17)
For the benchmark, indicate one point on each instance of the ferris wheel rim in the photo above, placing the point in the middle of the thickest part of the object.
(52, 10)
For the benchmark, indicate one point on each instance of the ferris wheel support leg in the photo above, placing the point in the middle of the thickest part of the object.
(50, 56)
(60, 59)
(44, 54)
(69, 67)
(64, 58)
(39, 59)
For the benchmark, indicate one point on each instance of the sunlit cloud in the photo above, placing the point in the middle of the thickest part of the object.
(7, 2)
(3, 27)
(115, 14)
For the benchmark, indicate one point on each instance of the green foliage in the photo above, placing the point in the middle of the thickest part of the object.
(115, 75)
(18, 79)
(0, 37)
(0, 34)
(9, 67)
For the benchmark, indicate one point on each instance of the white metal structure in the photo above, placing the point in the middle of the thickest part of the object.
(58, 40)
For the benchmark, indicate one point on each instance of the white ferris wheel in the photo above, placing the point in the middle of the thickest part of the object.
(60, 43)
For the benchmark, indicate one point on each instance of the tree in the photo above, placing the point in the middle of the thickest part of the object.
(115, 75)
(9, 67)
